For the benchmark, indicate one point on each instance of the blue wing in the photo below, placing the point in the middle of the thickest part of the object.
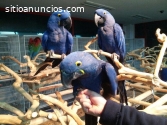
(111, 74)
(69, 43)
(119, 40)
(44, 41)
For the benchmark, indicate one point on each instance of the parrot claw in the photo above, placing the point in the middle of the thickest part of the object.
(63, 56)
(99, 52)
(114, 55)
(50, 53)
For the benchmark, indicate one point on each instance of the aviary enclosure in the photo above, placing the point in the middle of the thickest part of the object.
(146, 90)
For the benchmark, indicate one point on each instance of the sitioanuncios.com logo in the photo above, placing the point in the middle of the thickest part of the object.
(51, 8)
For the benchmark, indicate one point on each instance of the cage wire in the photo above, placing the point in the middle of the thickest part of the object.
(10, 46)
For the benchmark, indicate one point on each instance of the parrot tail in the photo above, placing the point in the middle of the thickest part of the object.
(122, 91)
(48, 62)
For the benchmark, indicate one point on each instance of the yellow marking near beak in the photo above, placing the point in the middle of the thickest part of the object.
(82, 71)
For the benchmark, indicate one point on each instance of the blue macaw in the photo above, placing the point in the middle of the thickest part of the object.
(57, 38)
(111, 39)
(83, 71)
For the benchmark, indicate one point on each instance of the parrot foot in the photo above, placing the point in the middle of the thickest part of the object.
(63, 56)
(114, 55)
(50, 53)
(99, 52)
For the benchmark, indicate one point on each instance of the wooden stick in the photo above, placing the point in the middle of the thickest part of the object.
(160, 110)
(17, 83)
(33, 107)
(134, 78)
(41, 53)
(162, 39)
(10, 108)
(146, 87)
(159, 102)
(56, 112)
(50, 87)
(63, 107)
(46, 114)
(9, 119)
(12, 58)
(89, 43)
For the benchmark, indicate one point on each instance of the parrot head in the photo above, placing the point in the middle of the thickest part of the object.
(37, 41)
(60, 18)
(102, 17)
(76, 65)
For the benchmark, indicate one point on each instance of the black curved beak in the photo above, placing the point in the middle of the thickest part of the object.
(66, 78)
(67, 23)
(99, 21)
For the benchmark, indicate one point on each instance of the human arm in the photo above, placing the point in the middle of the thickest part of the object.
(111, 112)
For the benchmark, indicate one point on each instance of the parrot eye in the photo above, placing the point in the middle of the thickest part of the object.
(78, 63)
(59, 15)
(104, 12)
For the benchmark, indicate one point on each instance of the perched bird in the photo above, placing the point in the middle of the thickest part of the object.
(83, 71)
(111, 39)
(34, 46)
(57, 39)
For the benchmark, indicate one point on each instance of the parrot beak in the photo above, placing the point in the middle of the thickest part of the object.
(67, 23)
(98, 20)
(67, 78)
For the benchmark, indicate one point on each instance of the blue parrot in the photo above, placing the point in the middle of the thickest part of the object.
(82, 71)
(111, 39)
(57, 39)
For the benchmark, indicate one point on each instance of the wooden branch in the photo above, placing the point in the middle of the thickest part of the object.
(160, 110)
(10, 108)
(17, 83)
(9, 119)
(159, 102)
(55, 109)
(50, 87)
(162, 39)
(89, 43)
(33, 107)
(12, 58)
(30, 64)
(63, 107)
(131, 100)
(49, 115)
(36, 57)
(134, 78)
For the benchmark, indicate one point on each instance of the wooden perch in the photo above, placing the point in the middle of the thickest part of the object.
(63, 107)
(33, 107)
(89, 43)
(36, 57)
(17, 83)
(162, 39)
(12, 58)
(9, 119)
(11, 109)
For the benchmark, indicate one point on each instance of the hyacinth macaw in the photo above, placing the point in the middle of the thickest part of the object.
(57, 39)
(111, 39)
(83, 71)
(34, 46)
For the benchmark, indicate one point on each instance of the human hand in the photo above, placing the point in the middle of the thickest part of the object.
(92, 103)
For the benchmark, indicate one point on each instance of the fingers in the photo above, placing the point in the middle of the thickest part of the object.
(86, 106)
(89, 92)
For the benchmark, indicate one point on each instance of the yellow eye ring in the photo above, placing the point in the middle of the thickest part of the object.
(59, 15)
(78, 63)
